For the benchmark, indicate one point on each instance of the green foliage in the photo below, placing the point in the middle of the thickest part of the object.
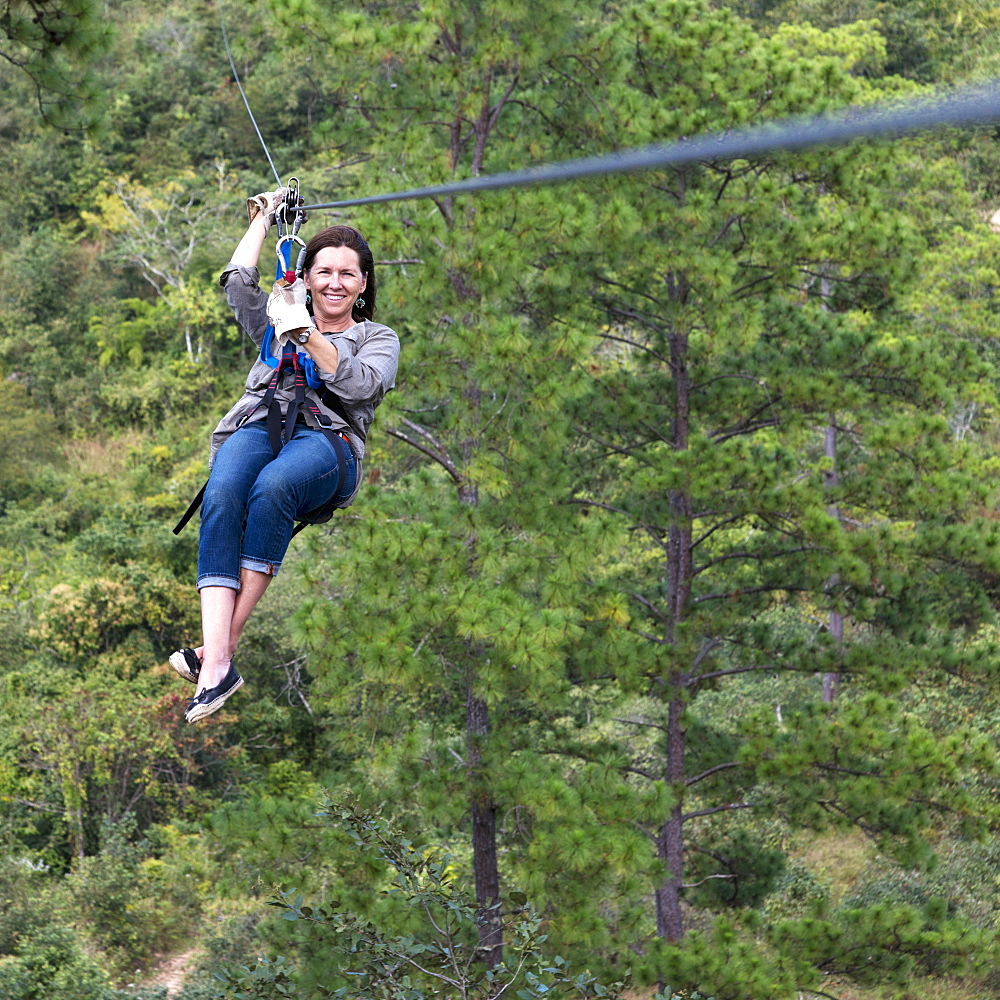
(21, 891)
(128, 603)
(58, 44)
(439, 953)
(52, 964)
(112, 899)
(28, 440)
(796, 892)
(924, 40)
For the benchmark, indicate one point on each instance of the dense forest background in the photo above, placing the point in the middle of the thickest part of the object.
(659, 652)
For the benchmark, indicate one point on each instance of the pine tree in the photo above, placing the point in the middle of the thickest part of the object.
(454, 585)
(755, 306)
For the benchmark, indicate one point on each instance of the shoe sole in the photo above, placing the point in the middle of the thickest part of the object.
(179, 662)
(200, 711)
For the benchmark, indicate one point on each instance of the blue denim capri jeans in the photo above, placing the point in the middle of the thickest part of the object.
(252, 499)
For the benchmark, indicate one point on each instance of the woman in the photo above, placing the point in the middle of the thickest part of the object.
(253, 495)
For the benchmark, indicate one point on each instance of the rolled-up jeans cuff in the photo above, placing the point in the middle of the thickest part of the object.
(260, 566)
(218, 581)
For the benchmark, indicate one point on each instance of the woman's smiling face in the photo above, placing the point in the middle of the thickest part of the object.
(335, 281)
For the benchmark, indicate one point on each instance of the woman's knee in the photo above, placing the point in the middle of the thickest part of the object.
(273, 489)
(222, 500)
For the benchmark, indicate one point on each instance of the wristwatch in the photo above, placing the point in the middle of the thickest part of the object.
(305, 334)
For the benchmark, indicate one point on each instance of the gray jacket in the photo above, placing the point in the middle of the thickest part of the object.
(366, 370)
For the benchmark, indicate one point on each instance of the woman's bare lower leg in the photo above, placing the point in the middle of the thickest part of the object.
(217, 605)
(252, 587)
(224, 613)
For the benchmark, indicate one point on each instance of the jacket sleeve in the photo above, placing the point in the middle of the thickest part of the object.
(246, 298)
(368, 355)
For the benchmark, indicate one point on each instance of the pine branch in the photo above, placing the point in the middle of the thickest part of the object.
(704, 651)
(597, 503)
(648, 775)
(711, 531)
(694, 885)
(637, 346)
(641, 722)
(658, 639)
(293, 681)
(752, 555)
(738, 292)
(650, 606)
(712, 770)
(738, 670)
(743, 591)
(729, 807)
(719, 438)
(638, 293)
(847, 770)
(441, 457)
(728, 223)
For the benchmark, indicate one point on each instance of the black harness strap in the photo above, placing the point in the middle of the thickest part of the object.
(281, 427)
(192, 507)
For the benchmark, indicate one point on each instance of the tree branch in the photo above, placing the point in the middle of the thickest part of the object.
(442, 460)
(747, 590)
(712, 770)
(736, 670)
(694, 885)
(717, 809)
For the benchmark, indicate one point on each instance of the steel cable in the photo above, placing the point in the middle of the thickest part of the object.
(236, 77)
(968, 106)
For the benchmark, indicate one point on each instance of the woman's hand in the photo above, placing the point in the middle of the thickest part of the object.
(260, 211)
(266, 204)
(286, 309)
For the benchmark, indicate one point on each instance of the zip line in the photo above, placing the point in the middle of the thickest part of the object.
(972, 105)
(236, 77)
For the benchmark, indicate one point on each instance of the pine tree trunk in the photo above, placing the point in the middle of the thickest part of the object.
(481, 805)
(484, 835)
(670, 843)
(831, 679)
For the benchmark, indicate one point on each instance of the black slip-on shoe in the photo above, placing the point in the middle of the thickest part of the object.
(187, 663)
(212, 699)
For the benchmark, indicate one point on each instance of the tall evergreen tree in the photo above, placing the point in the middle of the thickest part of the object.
(755, 307)
(454, 586)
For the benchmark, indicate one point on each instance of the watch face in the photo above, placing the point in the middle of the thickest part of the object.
(304, 336)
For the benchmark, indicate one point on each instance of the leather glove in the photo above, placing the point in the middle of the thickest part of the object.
(267, 202)
(286, 309)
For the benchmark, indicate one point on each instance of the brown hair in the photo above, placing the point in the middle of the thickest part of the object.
(346, 236)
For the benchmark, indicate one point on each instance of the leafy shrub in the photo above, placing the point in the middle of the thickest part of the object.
(796, 892)
(28, 440)
(148, 396)
(129, 908)
(81, 620)
(965, 878)
(22, 911)
(441, 951)
(49, 963)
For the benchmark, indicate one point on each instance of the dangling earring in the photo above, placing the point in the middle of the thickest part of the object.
(359, 302)
(309, 299)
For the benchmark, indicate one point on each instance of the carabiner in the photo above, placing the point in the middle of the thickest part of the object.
(286, 261)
